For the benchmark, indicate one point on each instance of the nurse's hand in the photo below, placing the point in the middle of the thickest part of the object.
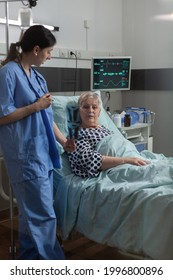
(44, 102)
(69, 146)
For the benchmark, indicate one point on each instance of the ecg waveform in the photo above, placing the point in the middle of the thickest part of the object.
(111, 74)
(111, 84)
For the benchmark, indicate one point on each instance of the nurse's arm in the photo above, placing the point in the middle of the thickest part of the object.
(20, 113)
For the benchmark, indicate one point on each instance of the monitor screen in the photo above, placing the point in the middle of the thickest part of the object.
(110, 73)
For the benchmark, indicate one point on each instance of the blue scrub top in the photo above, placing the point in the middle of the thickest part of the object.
(24, 143)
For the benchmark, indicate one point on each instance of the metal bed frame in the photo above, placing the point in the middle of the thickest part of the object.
(9, 197)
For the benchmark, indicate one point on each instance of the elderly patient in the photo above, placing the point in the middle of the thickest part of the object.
(86, 161)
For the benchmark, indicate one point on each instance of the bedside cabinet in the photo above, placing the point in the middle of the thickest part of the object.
(140, 135)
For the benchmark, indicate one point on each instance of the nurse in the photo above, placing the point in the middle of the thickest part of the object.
(27, 137)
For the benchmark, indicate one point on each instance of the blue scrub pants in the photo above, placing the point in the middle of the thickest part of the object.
(37, 220)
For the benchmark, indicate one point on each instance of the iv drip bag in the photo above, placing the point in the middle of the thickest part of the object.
(25, 17)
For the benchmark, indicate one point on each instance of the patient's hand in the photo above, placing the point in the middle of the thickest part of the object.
(109, 161)
(136, 161)
(69, 145)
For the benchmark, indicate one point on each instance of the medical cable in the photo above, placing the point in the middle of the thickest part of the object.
(75, 74)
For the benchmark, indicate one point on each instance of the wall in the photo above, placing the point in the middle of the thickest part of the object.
(104, 36)
(69, 16)
(147, 36)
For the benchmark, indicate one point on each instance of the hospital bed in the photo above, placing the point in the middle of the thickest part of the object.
(126, 207)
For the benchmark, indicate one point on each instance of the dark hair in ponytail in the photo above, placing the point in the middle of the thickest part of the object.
(36, 35)
(13, 53)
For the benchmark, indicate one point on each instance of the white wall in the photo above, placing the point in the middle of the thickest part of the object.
(148, 39)
(104, 19)
(150, 42)
(104, 36)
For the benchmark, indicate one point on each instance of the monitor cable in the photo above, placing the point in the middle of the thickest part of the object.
(75, 72)
(106, 99)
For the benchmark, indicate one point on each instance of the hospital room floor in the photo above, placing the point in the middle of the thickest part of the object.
(76, 248)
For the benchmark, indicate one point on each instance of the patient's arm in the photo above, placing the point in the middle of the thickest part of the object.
(108, 161)
(68, 144)
(85, 161)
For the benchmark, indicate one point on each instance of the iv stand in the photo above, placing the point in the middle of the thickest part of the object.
(7, 20)
(7, 26)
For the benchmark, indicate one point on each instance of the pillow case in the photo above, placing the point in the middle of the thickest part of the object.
(60, 105)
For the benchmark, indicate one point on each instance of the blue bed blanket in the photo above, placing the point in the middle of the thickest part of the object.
(129, 207)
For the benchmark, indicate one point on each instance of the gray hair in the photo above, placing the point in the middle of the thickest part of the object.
(89, 94)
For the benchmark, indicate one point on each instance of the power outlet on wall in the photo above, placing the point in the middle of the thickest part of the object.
(63, 53)
(78, 54)
(71, 53)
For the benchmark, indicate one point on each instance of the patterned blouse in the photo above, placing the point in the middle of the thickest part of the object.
(85, 161)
